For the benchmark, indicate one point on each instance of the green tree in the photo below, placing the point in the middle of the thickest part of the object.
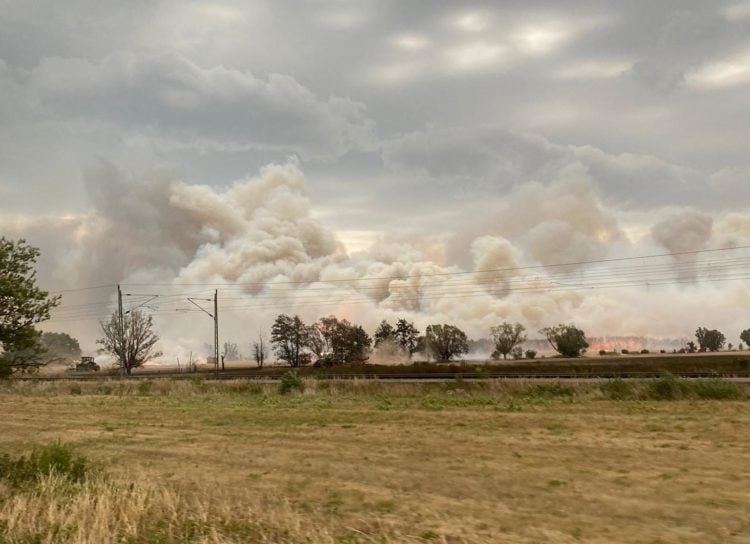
(351, 344)
(60, 346)
(289, 339)
(132, 342)
(745, 337)
(709, 339)
(383, 333)
(407, 336)
(507, 337)
(567, 340)
(316, 340)
(338, 342)
(22, 305)
(445, 342)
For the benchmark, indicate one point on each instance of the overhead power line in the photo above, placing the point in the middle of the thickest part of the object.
(461, 273)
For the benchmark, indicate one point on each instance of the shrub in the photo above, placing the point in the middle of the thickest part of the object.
(530, 354)
(602, 352)
(717, 390)
(291, 382)
(645, 352)
(550, 390)
(665, 388)
(75, 389)
(617, 389)
(104, 389)
(53, 459)
(625, 351)
(144, 387)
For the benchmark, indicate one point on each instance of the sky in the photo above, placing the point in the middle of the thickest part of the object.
(377, 159)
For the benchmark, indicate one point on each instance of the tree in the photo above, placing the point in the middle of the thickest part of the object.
(132, 342)
(259, 350)
(567, 340)
(745, 337)
(351, 344)
(407, 336)
(383, 333)
(60, 346)
(231, 351)
(445, 342)
(22, 305)
(337, 341)
(289, 338)
(507, 337)
(316, 341)
(709, 340)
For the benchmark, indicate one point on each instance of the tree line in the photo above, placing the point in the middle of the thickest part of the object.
(331, 341)
(326, 342)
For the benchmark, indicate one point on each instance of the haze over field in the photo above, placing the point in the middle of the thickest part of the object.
(268, 148)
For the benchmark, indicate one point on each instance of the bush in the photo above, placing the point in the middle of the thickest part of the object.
(666, 388)
(645, 352)
(75, 389)
(617, 389)
(625, 351)
(602, 352)
(144, 387)
(54, 459)
(291, 382)
(717, 390)
(530, 354)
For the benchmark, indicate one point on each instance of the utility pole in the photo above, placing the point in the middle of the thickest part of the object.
(216, 329)
(120, 329)
(215, 317)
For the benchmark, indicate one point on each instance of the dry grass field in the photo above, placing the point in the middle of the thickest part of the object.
(194, 461)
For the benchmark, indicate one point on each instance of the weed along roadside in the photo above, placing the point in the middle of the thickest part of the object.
(305, 460)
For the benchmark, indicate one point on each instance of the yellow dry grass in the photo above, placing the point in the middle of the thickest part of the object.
(193, 462)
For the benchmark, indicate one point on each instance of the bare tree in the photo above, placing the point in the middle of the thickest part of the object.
(231, 351)
(132, 342)
(259, 350)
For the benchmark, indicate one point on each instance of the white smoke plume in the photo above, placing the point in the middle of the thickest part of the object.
(257, 242)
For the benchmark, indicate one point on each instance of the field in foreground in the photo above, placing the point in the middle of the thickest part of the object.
(369, 462)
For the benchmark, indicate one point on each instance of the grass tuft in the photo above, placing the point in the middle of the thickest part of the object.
(57, 459)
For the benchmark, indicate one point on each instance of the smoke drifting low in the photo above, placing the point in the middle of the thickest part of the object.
(259, 244)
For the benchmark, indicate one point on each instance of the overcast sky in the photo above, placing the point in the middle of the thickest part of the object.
(568, 132)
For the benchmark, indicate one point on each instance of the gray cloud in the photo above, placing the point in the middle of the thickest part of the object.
(134, 139)
(173, 99)
(494, 160)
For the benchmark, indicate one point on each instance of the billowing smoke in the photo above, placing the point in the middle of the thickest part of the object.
(258, 243)
(684, 231)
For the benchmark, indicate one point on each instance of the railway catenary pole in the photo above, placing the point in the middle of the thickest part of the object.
(215, 317)
(216, 330)
(120, 330)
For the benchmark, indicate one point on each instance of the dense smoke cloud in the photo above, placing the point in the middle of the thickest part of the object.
(258, 243)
